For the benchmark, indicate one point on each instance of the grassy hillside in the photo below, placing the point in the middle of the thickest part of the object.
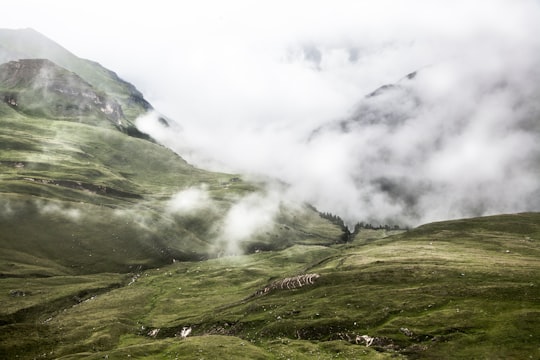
(78, 193)
(85, 208)
(465, 289)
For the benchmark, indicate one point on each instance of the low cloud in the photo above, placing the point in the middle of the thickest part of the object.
(58, 209)
(189, 200)
(448, 142)
(248, 217)
(6, 209)
(454, 139)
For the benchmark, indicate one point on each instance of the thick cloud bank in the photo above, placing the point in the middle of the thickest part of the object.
(281, 88)
(457, 137)
(442, 143)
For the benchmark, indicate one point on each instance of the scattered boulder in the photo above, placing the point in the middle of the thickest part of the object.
(18, 293)
(185, 332)
(289, 283)
(405, 331)
(368, 340)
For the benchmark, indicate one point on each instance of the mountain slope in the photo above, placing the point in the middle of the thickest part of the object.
(85, 207)
(104, 198)
(79, 196)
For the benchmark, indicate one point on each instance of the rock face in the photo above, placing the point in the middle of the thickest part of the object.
(30, 44)
(40, 87)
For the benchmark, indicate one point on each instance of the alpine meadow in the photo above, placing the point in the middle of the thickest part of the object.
(407, 227)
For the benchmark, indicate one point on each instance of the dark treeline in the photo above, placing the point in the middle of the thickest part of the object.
(363, 225)
(334, 219)
(347, 234)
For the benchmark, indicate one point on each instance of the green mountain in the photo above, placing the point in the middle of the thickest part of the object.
(112, 246)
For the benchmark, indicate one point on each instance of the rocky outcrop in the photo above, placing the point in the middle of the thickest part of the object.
(289, 283)
(14, 45)
(40, 87)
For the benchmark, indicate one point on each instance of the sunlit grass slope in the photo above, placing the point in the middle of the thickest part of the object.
(464, 289)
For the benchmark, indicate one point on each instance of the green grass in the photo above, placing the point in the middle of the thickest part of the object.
(459, 293)
(230, 347)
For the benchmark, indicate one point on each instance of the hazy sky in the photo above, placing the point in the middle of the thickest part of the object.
(278, 88)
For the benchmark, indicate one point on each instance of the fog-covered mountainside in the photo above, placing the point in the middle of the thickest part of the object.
(433, 146)
(79, 193)
(112, 246)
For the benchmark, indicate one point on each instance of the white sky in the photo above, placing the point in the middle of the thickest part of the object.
(248, 81)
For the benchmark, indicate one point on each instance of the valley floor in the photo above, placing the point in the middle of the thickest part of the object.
(464, 289)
